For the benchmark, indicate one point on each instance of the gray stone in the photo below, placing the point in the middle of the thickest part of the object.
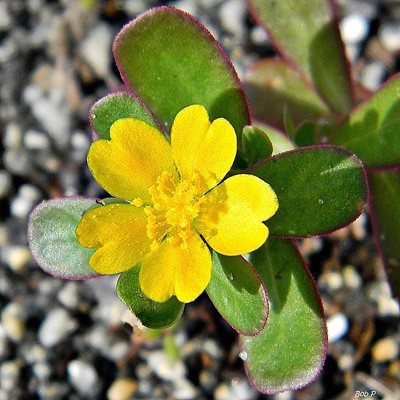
(42, 371)
(160, 364)
(68, 295)
(12, 138)
(5, 17)
(373, 74)
(232, 14)
(184, 390)
(96, 49)
(9, 374)
(389, 35)
(36, 140)
(56, 327)
(83, 376)
(338, 326)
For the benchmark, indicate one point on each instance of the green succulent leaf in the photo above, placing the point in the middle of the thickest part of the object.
(307, 33)
(272, 86)
(116, 106)
(385, 211)
(310, 183)
(256, 144)
(280, 141)
(238, 294)
(290, 351)
(53, 241)
(372, 130)
(151, 314)
(171, 61)
(306, 134)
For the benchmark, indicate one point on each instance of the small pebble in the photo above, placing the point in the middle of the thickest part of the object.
(83, 377)
(16, 257)
(351, 277)
(96, 49)
(9, 375)
(338, 326)
(121, 389)
(259, 36)
(160, 364)
(36, 140)
(332, 279)
(385, 349)
(389, 35)
(373, 74)
(354, 28)
(184, 390)
(42, 371)
(56, 326)
(388, 307)
(52, 390)
(68, 295)
(12, 318)
(232, 14)
(12, 136)
(188, 6)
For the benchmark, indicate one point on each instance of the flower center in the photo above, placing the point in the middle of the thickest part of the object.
(172, 208)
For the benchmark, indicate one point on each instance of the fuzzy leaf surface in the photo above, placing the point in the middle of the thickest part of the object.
(290, 351)
(53, 241)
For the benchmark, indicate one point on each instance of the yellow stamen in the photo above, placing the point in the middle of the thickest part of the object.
(173, 207)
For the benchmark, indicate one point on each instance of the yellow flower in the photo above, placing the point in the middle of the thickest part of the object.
(173, 199)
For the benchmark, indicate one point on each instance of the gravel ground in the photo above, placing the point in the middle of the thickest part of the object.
(74, 340)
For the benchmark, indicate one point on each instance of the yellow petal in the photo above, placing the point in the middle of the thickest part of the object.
(172, 270)
(202, 147)
(118, 231)
(231, 218)
(128, 164)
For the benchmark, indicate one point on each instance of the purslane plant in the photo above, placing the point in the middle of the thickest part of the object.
(315, 100)
(193, 183)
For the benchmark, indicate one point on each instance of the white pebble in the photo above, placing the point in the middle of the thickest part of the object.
(184, 390)
(354, 28)
(9, 375)
(13, 321)
(84, 377)
(351, 277)
(16, 257)
(388, 307)
(389, 36)
(333, 280)
(259, 35)
(42, 371)
(372, 75)
(35, 140)
(96, 49)
(232, 14)
(338, 326)
(134, 7)
(56, 327)
(68, 295)
(12, 136)
(5, 19)
(160, 364)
